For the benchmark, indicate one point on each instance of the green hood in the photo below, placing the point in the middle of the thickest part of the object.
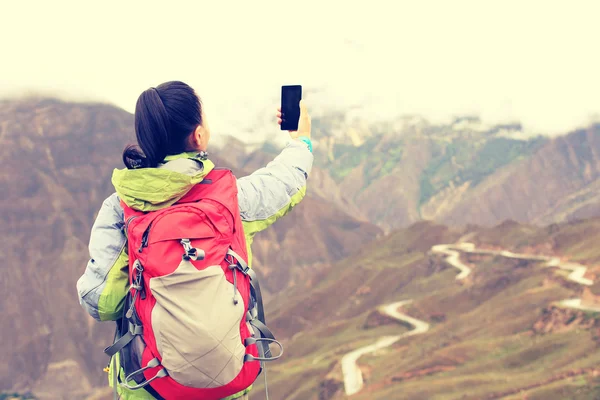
(149, 189)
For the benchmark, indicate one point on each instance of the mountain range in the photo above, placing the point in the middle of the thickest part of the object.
(400, 172)
(356, 241)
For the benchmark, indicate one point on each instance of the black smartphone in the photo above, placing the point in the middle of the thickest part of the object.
(290, 107)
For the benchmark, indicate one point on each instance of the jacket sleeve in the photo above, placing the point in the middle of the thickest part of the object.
(103, 286)
(272, 191)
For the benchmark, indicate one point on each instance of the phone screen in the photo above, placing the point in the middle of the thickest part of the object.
(290, 107)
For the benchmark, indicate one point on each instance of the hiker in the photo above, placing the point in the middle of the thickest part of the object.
(170, 255)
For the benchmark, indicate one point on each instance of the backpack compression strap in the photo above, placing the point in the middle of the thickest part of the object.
(259, 322)
(246, 270)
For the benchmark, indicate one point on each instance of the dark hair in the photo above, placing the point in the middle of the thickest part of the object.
(164, 118)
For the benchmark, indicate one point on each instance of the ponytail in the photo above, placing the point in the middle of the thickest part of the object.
(164, 118)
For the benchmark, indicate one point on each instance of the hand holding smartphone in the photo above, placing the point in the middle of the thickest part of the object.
(292, 114)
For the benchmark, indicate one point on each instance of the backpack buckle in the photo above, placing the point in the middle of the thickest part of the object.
(242, 269)
(191, 253)
(238, 261)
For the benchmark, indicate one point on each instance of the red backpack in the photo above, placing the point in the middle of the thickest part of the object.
(193, 324)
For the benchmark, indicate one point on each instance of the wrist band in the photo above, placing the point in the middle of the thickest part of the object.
(308, 142)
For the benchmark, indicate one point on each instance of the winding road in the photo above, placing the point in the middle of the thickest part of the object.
(353, 378)
(577, 271)
(453, 257)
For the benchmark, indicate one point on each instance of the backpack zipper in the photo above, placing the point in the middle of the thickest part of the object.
(145, 235)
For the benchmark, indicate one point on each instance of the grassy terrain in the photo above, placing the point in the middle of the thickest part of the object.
(481, 343)
(575, 388)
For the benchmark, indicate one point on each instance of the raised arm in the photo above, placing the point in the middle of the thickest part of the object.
(272, 191)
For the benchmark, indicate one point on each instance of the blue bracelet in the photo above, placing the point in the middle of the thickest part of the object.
(308, 142)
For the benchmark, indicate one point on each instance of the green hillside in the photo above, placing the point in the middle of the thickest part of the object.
(489, 335)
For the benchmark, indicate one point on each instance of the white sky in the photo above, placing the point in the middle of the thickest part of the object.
(537, 61)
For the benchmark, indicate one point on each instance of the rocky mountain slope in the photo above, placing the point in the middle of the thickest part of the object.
(55, 162)
(557, 182)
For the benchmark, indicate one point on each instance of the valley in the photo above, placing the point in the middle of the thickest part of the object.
(353, 380)
(508, 312)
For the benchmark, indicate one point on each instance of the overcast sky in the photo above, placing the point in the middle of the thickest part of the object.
(537, 61)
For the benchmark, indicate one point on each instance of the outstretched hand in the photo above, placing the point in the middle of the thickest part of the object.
(303, 123)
